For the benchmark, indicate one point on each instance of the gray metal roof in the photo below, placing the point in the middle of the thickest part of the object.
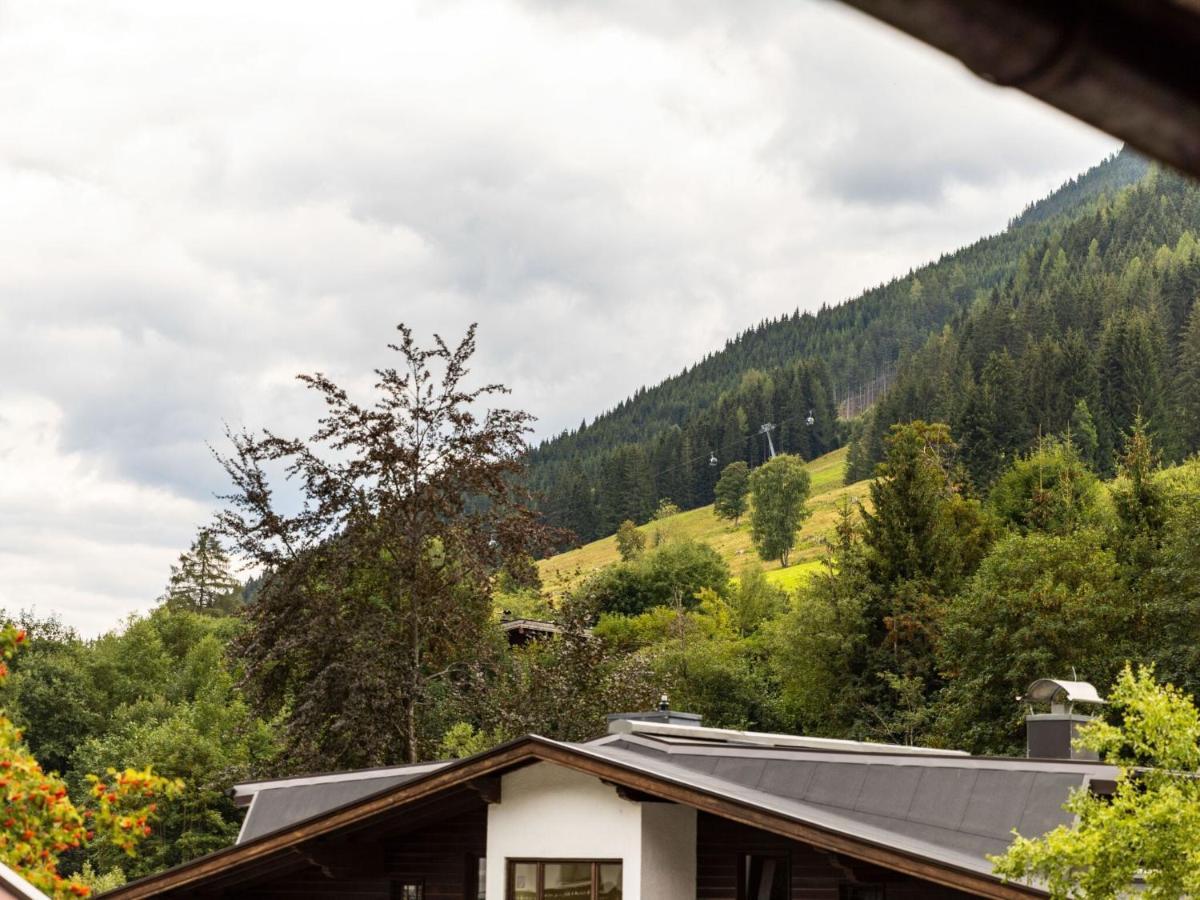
(949, 809)
(276, 805)
(954, 810)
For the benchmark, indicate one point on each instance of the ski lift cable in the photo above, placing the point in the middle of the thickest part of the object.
(711, 455)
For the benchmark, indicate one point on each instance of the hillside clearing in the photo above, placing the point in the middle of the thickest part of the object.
(562, 572)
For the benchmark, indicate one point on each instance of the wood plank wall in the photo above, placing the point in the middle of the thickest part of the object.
(438, 854)
(816, 874)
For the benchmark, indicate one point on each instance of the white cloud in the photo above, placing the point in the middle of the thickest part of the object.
(201, 199)
(75, 538)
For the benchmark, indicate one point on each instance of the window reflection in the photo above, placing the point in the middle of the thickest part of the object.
(523, 878)
(564, 880)
(567, 881)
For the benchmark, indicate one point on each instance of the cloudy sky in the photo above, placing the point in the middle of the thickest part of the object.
(201, 198)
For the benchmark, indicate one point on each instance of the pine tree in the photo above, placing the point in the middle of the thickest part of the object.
(1187, 386)
(1083, 433)
(1131, 376)
(202, 581)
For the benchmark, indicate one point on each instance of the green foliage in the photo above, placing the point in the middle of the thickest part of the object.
(673, 573)
(921, 530)
(1082, 433)
(1050, 489)
(665, 510)
(1041, 605)
(462, 739)
(1187, 384)
(780, 489)
(109, 814)
(158, 692)
(818, 646)
(732, 493)
(754, 600)
(707, 666)
(561, 687)
(630, 541)
(1148, 833)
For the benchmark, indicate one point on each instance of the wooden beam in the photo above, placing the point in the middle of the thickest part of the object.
(1128, 67)
(488, 788)
(632, 795)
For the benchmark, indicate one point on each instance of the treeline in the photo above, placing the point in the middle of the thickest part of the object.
(850, 345)
(935, 608)
(159, 691)
(1098, 324)
(590, 497)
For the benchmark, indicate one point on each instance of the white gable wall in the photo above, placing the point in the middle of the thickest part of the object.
(548, 812)
(668, 852)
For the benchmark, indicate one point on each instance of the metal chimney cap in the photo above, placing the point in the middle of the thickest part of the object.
(1045, 690)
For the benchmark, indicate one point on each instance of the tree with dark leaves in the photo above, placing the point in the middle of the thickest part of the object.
(379, 573)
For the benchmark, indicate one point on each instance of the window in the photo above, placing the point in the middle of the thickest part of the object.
(476, 881)
(408, 890)
(764, 878)
(564, 879)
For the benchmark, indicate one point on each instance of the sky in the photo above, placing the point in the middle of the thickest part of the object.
(199, 200)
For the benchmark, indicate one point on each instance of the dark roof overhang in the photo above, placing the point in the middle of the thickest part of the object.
(281, 849)
(1129, 67)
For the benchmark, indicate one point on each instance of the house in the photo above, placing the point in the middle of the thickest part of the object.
(519, 632)
(660, 808)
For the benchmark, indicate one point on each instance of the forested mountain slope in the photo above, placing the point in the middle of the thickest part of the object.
(658, 444)
(1099, 323)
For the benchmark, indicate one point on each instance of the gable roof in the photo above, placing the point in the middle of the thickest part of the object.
(278, 803)
(930, 816)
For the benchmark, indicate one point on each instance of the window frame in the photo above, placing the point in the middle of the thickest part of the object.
(400, 885)
(541, 862)
(744, 858)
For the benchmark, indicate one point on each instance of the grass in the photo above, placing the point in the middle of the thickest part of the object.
(562, 572)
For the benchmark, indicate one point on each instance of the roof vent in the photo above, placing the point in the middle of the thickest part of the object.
(1051, 735)
(663, 715)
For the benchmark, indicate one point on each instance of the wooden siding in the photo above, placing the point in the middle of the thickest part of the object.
(815, 874)
(438, 855)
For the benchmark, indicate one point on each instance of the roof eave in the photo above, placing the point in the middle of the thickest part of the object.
(1125, 67)
(532, 749)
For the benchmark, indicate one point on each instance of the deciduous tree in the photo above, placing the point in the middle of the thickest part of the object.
(41, 822)
(1145, 840)
(780, 489)
(630, 541)
(379, 580)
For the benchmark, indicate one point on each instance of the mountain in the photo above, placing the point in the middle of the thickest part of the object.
(660, 443)
(1098, 325)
